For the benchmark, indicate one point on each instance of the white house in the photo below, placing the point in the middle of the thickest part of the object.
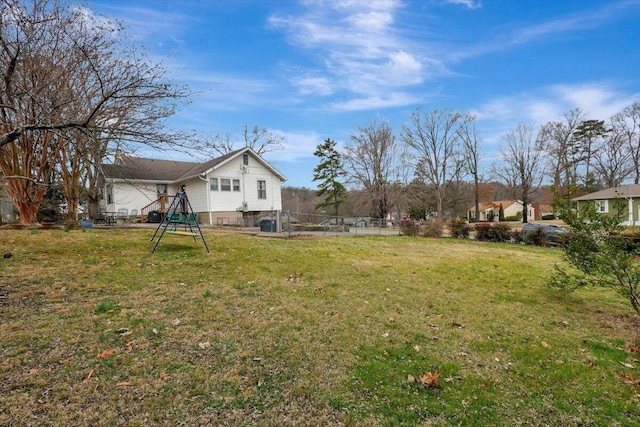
(491, 210)
(236, 188)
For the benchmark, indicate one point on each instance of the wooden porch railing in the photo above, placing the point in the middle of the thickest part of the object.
(160, 204)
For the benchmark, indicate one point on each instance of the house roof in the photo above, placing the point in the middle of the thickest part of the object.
(483, 206)
(632, 190)
(145, 169)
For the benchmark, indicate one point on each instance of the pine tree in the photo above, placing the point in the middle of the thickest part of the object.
(329, 172)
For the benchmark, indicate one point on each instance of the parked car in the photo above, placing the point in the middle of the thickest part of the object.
(544, 234)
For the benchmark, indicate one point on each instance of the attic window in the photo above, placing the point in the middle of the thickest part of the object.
(245, 159)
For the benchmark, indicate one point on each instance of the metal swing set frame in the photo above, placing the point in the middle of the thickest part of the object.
(180, 220)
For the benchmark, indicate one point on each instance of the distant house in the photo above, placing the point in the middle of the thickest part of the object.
(348, 221)
(237, 188)
(543, 210)
(490, 211)
(604, 201)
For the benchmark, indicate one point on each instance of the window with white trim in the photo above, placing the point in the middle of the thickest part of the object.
(602, 206)
(213, 184)
(236, 185)
(225, 184)
(262, 189)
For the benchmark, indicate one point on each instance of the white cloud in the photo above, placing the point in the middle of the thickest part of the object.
(542, 105)
(581, 21)
(376, 102)
(314, 85)
(471, 4)
(364, 53)
(298, 145)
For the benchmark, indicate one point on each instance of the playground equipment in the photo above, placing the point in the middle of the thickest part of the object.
(180, 220)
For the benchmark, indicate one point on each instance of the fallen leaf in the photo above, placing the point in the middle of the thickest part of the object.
(176, 322)
(411, 379)
(88, 377)
(106, 353)
(627, 365)
(65, 361)
(155, 331)
(463, 354)
(123, 383)
(204, 345)
(416, 347)
(430, 379)
(164, 376)
(34, 371)
(629, 379)
(545, 345)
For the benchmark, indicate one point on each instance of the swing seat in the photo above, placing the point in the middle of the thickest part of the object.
(182, 233)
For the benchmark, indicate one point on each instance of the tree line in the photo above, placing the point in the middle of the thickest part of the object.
(435, 165)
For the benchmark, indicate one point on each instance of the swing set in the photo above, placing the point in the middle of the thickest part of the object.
(180, 220)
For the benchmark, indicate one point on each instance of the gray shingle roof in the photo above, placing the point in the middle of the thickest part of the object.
(145, 169)
(632, 190)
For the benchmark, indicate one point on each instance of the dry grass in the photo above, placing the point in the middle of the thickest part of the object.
(97, 331)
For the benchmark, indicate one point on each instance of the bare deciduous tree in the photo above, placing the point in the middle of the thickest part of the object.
(472, 157)
(372, 160)
(434, 139)
(563, 154)
(626, 125)
(612, 164)
(66, 72)
(260, 140)
(522, 167)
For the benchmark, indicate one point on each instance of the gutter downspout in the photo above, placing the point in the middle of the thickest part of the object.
(208, 192)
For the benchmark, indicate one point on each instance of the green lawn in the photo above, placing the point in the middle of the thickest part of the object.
(96, 330)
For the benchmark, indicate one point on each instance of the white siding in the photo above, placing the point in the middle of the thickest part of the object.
(232, 200)
(132, 196)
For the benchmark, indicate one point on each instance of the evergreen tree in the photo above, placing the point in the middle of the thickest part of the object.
(329, 172)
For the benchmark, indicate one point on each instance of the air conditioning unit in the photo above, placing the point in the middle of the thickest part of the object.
(243, 208)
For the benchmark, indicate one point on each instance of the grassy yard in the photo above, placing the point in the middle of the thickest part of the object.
(95, 330)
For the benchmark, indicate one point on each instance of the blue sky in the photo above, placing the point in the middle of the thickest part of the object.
(316, 69)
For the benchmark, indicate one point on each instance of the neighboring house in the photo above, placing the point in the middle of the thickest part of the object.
(491, 210)
(349, 221)
(604, 201)
(543, 210)
(236, 188)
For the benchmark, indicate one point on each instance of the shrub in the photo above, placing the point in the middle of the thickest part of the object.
(459, 229)
(548, 217)
(433, 228)
(502, 232)
(517, 236)
(410, 228)
(537, 238)
(493, 233)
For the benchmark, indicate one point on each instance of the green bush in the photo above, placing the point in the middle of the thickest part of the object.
(548, 217)
(513, 218)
